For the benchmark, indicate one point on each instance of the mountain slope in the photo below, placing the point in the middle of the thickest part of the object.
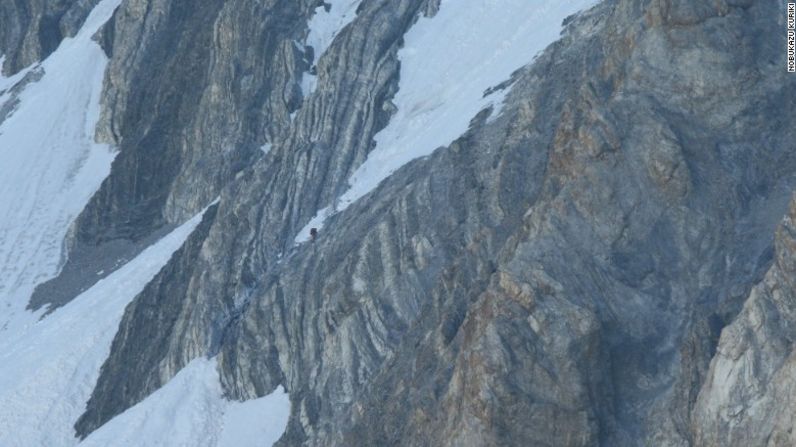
(524, 237)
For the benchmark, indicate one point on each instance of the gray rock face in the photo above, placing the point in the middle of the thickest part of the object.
(595, 265)
(188, 92)
(32, 29)
(299, 175)
(14, 91)
(748, 397)
(193, 89)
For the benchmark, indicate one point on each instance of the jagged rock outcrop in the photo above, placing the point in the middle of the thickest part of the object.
(748, 396)
(559, 275)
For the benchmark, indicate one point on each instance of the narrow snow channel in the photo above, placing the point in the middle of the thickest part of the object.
(323, 28)
(447, 62)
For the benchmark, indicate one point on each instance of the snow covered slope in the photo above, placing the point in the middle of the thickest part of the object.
(447, 63)
(50, 165)
(190, 411)
(49, 368)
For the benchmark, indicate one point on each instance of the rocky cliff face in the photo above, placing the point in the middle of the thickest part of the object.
(596, 262)
(31, 30)
(748, 395)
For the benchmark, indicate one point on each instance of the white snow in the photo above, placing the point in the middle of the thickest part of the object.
(266, 148)
(323, 28)
(50, 165)
(358, 285)
(447, 63)
(48, 369)
(191, 411)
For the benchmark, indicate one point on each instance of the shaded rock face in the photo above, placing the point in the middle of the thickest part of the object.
(276, 196)
(32, 29)
(587, 267)
(193, 89)
(748, 396)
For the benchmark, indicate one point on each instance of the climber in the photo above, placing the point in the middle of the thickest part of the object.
(313, 234)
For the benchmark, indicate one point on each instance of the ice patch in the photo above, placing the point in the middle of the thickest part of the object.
(190, 410)
(447, 63)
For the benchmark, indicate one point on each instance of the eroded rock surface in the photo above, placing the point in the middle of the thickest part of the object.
(32, 29)
(748, 396)
(594, 264)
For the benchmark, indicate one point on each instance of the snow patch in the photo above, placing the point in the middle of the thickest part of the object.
(358, 285)
(497, 103)
(266, 148)
(48, 370)
(447, 63)
(323, 28)
(190, 410)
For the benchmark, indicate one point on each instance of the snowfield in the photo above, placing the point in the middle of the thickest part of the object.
(447, 62)
(50, 165)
